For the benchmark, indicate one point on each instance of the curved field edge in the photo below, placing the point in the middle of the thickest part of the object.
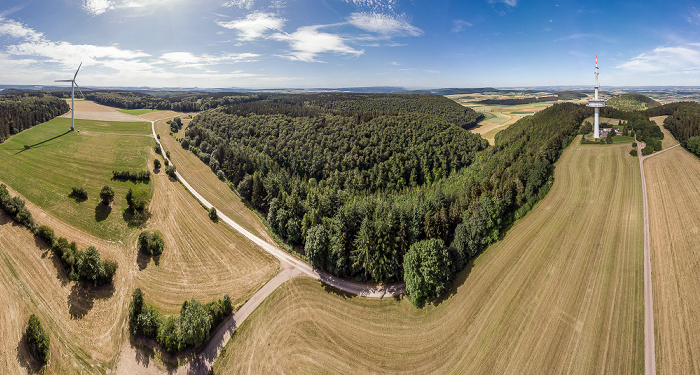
(561, 293)
(673, 178)
(205, 182)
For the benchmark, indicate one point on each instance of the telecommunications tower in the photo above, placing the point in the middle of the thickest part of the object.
(596, 103)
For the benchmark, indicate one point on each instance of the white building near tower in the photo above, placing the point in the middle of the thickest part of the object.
(596, 103)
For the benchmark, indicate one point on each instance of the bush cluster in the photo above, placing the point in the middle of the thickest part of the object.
(151, 243)
(213, 215)
(138, 198)
(170, 171)
(14, 206)
(78, 193)
(175, 124)
(106, 195)
(131, 176)
(37, 340)
(190, 329)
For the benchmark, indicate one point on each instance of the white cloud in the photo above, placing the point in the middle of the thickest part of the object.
(666, 60)
(375, 4)
(460, 25)
(241, 4)
(307, 42)
(69, 54)
(511, 3)
(15, 29)
(584, 36)
(97, 7)
(383, 24)
(254, 25)
(189, 60)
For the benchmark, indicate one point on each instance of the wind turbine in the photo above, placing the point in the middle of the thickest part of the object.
(73, 85)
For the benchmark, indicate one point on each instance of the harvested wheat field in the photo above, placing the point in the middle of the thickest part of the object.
(86, 325)
(673, 183)
(561, 293)
(668, 140)
(89, 110)
(202, 259)
(205, 182)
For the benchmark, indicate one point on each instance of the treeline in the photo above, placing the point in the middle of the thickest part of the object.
(20, 112)
(136, 176)
(79, 265)
(683, 122)
(564, 95)
(357, 196)
(179, 102)
(176, 333)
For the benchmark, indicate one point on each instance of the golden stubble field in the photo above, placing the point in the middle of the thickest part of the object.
(673, 183)
(87, 326)
(561, 293)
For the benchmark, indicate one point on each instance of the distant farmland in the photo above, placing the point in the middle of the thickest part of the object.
(561, 293)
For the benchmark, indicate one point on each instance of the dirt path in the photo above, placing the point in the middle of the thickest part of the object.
(649, 345)
(290, 267)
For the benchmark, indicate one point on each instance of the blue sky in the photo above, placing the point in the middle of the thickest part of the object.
(340, 43)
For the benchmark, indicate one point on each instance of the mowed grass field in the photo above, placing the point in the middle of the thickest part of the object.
(673, 184)
(137, 112)
(202, 179)
(560, 294)
(58, 159)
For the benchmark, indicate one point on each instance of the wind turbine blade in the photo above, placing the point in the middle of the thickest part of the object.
(81, 91)
(63, 80)
(76, 72)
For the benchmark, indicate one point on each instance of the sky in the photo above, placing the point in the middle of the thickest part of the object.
(349, 43)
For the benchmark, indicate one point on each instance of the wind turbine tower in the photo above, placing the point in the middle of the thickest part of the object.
(596, 103)
(73, 85)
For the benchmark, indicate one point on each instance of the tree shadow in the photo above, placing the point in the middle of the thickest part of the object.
(25, 357)
(29, 147)
(82, 298)
(456, 284)
(135, 218)
(77, 198)
(102, 212)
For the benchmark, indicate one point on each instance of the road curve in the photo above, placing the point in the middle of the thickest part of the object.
(370, 290)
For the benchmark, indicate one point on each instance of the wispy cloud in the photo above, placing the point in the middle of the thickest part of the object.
(374, 4)
(383, 24)
(308, 42)
(666, 60)
(241, 4)
(189, 60)
(254, 25)
(17, 30)
(97, 7)
(584, 36)
(511, 3)
(460, 25)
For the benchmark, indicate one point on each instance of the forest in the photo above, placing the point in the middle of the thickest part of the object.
(357, 189)
(683, 122)
(22, 111)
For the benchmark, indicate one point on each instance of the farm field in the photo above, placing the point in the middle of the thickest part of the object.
(668, 140)
(58, 159)
(202, 259)
(138, 112)
(89, 110)
(204, 181)
(673, 178)
(561, 293)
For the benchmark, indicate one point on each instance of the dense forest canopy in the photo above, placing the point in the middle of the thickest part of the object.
(683, 122)
(358, 188)
(22, 111)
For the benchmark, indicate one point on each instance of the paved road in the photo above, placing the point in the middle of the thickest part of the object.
(649, 345)
(290, 267)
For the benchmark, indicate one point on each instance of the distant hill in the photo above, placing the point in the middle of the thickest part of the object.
(632, 102)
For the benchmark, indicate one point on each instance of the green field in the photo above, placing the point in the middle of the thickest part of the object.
(42, 163)
(560, 294)
(137, 112)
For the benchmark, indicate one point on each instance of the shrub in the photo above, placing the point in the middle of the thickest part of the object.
(648, 150)
(14, 206)
(78, 193)
(170, 171)
(633, 152)
(185, 144)
(156, 148)
(106, 195)
(132, 176)
(156, 164)
(151, 243)
(138, 198)
(46, 234)
(221, 175)
(213, 215)
(634, 144)
(194, 323)
(426, 270)
(37, 340)
(90, 267)
(167, 153)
